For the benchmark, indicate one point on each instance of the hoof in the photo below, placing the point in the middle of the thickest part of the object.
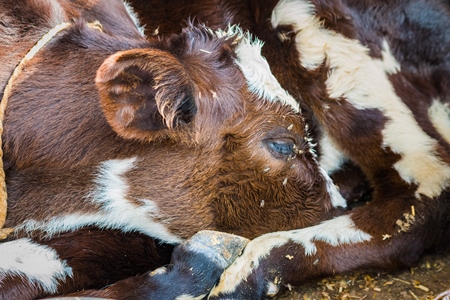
(219, 247)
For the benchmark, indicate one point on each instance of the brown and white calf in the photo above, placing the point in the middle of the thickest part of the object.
(373, 81)
(118, 147)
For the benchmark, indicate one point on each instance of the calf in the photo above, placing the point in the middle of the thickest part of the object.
(117, 147)
(372, 79)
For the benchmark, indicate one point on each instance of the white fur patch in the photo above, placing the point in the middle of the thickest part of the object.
(258, 74)
(190, 297)
(116, 211)
(300, 14)
(331, 159)
(336, 198)
(363, 82)
(36, 263)
(439, 114)
(134, 17)
(338, 231)
(390, 64)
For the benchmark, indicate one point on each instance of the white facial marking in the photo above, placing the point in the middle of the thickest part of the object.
(338, 231)
(116, 211)
(390, 64)
(258, 74)
(439, 114)
(36, 263)
(134, 18)
(336, 197)
(363, 82)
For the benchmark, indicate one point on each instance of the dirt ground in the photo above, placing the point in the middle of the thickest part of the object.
(426, 281)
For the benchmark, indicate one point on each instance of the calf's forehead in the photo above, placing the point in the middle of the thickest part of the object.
(233, 81)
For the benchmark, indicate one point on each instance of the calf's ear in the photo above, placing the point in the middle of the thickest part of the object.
(144, 93)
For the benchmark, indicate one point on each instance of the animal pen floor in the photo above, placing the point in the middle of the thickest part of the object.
(425, 281)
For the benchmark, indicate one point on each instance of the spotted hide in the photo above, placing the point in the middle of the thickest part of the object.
(373, 81)
(118, 148)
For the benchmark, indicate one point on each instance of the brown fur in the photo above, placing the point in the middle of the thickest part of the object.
(179, 105)
(417, 33)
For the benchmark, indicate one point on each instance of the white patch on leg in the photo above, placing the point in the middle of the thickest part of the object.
(116, 211)
(134, 18)
(439, 114)
(258, 74)
(36, 263)
(335, 232)
(363, 82)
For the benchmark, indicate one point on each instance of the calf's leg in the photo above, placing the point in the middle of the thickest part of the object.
(84, 259)
(372, 237)
(195, 267)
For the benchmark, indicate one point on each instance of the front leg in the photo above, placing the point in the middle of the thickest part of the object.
(195, 267)
(272, 261)
(367, 238)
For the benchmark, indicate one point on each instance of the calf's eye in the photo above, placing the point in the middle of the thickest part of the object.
(282, 148)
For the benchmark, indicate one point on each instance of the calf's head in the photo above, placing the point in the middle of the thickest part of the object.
(192, 132)
(237, 137)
